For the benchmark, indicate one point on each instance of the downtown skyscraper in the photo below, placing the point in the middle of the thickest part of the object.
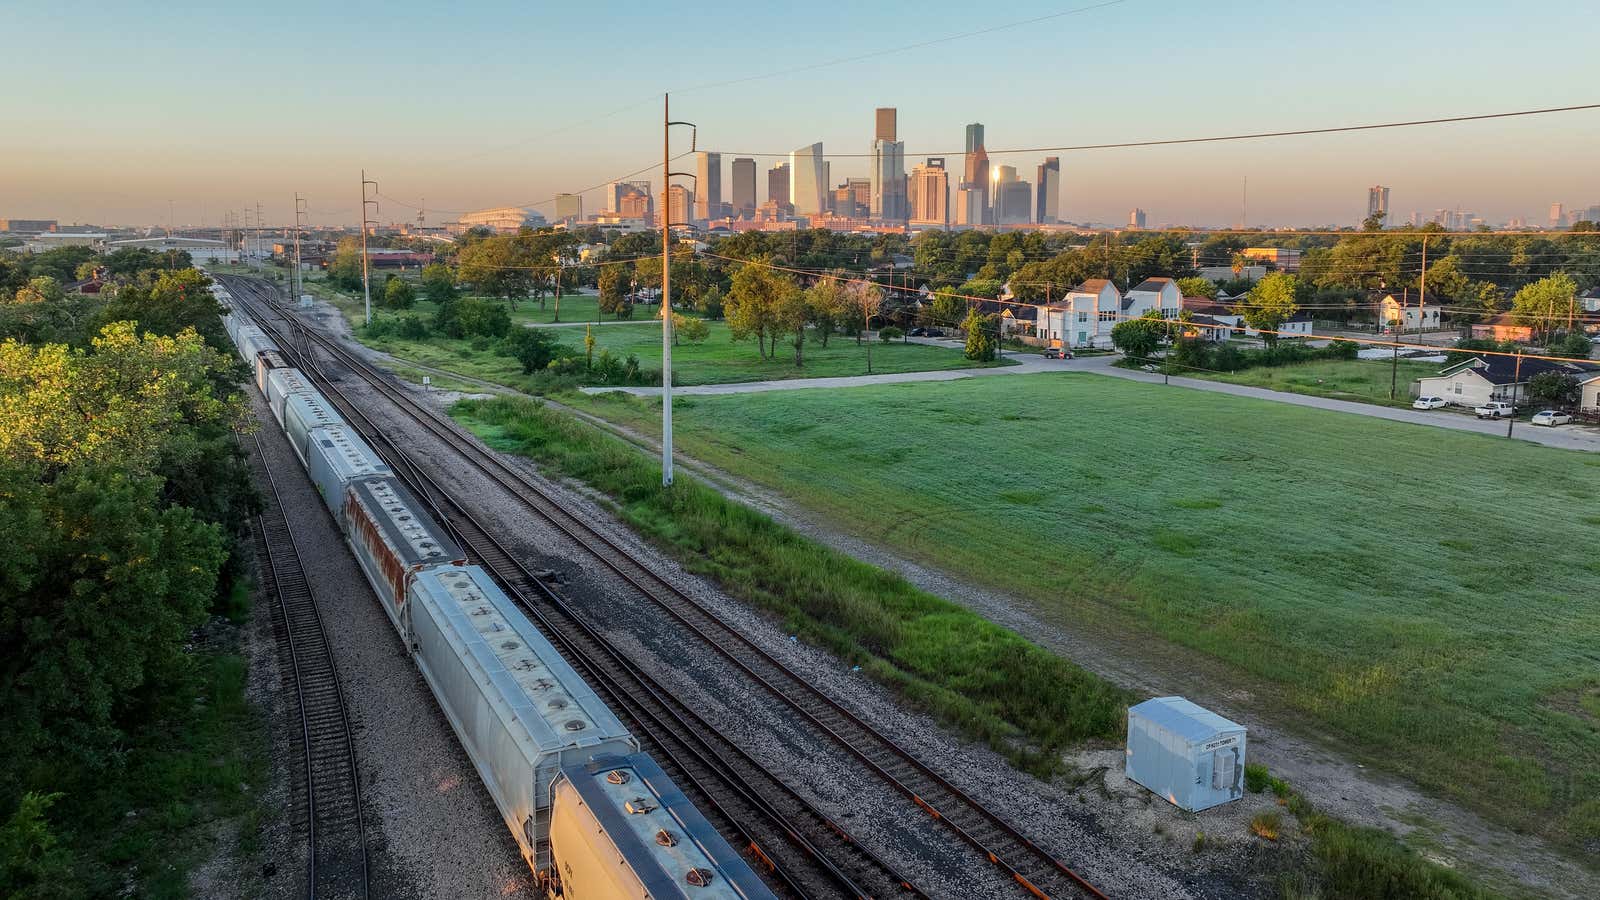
(888, 174)
(808, 179)
(708, 186)
(744, 187)
(1047, 206)
(930, 194)
(975, 177)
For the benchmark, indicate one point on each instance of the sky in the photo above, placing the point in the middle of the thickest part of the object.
(137, 112)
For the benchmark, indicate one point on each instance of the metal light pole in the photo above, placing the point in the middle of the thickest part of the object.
(366, 282)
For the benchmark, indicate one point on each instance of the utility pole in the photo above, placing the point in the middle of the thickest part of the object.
(366, 282)
(666, 283)
(1516, 379)
(298, 281)
(258, 234)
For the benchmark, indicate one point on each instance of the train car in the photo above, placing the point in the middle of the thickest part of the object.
(393, 538)
(621, 830)
(266, 362)
(304, 412)
(283, 382)
(518, 709)
(233, 322)
(336, 456)
(252, 340)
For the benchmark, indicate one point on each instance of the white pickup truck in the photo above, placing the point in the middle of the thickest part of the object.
(1494, 409)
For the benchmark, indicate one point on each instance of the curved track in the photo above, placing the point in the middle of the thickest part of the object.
(999, 843)
(336, 836)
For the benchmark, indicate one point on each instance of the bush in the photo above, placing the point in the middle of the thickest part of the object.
(1267, 825)
(1255, 777)
(488, 318)
(890, 333)
(1341, 349)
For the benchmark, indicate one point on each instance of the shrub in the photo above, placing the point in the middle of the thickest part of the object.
(889, 333)
(1267, 825)
(1341, 349)
(1255, 777)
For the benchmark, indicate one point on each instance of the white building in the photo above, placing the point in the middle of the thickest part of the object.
(1082, 318)
(1419, 313)
(808, 181)
(1478, 380)
(1160, 294)
(503, 219)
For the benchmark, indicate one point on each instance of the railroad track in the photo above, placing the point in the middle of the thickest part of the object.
(1035, 871)
(336, 837)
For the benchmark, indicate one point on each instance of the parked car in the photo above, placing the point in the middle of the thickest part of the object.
(1429, 403)
(1551, 418)
(1495, 409)
(1058, 353)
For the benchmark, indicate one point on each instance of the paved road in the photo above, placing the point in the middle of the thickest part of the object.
(1566, 437)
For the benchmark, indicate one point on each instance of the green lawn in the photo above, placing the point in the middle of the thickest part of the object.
(1357, 379)
(719, 359)
(1427, 598)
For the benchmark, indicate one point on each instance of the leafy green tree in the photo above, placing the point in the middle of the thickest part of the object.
(710, 302)
(987, 288)
(33, 864)
(168, 303)
(482, 318)
(1195, 286)
(534, 348)
(752, 304)
(1574, 344)
(614, 292)
(1271, 303)
(344, 270)
(40, 289)
(1546, 303)
(863, 300)
(828, 299)
(588, 347)
(501, 266)
(438, 283)
(398, 293)
(791, 313)
(1553, 388)
(980, 340)
(1139, 338)
(689, 328)
(947, 309)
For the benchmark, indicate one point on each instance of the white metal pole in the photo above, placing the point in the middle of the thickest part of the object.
(366, 286)
(666, 297)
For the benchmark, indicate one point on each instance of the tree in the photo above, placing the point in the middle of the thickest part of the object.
(752, 304)
(1546, 303)
(689, 328)
(500, 266)
(980, 344)
(791, 313)
(710, 302)
(1553, 388)
(613, 284)
(534, 348)
(1574, 344)
(398, 293)
(588, 346)
(33, 865)
(40, 289)
(438, 283)
(1271, 303)
(1139, 338)
(166, 305)
(1198, 287)
(863, 300)
(344, 270)
(484, 318)
(827, 299)
(947, 309)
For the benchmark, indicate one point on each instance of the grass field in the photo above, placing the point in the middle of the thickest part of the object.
(1425, 597)
(1356, 379)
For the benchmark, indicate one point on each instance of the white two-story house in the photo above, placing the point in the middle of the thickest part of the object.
(1082, 318)
(1412, 312)
(1159, 294)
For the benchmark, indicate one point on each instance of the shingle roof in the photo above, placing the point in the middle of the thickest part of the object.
(1151, 284)
(1506, 370)
(1093, 286)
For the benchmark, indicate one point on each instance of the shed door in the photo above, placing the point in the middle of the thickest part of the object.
(1222, 769)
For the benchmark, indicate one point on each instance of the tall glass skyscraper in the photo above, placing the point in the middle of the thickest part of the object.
(708, 186)
(975, 177)
(1047, 207)
(744, 186)
(808, 179)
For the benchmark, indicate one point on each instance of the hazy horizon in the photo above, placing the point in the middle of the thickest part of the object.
(504, 105)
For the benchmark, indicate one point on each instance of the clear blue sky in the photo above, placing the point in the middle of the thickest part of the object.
(111, 113)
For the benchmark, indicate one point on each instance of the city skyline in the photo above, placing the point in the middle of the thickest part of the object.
(220, 144)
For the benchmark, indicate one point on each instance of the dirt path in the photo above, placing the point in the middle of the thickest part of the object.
(1292, 748)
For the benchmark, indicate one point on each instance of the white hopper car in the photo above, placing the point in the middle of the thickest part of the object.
(280, 384)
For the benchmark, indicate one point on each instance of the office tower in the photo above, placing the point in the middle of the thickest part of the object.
(744, 186)
(1558, 215)
(1416, 219)
(885, 130)
(975, 175)
(1013, 198)
(888, 172)
(1378, 201)
(634, 201)
(569, 208)
(778, 184)
(930, 193)
(679, 204)
(1136, 218)
(708, 186)
(1047, 209)
(807, 180)
(969, 206)
(1592, 214)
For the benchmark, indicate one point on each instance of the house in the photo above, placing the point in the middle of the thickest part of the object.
(1419, 313)
(1226, 273)
(1589, 301)
(1502, 328)
(1297, 326)
(1207, 328)
(1476, 381)
(1215, 310)
(1082, 318)
(1160, 294)
(1018, 321)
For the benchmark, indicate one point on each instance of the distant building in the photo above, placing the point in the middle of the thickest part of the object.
(885, 130)
(808, 176)
(970, 208)
(975, 174)
(27, 226)
(1047, 208)
(1285, 259)
(744, 186)
(708, 186)
(1417, 313)
(1013, 198)
(930, 193)
(49, 240)
(631, 200)
(680, 205)
(1378, 202)
(1558, 215)
(888, 181)
(1136, 218)
(778, 184)
(569, 208)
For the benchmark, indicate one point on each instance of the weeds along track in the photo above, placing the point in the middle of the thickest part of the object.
(336, 836)
(995, 841)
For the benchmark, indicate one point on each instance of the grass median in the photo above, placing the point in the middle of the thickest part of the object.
(989, 682)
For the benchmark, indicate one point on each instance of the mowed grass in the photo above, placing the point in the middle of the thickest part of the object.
(719, 359)
(1426, 597)
(982, 678)
(1356, 379)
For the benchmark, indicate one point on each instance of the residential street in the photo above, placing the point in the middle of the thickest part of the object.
(1566, 437)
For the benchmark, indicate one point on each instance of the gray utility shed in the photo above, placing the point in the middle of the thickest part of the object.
(1186, 753)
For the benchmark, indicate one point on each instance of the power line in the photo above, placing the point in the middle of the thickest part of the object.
(1249, 136)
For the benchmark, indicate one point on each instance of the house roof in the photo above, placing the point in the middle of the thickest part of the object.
(1151, 285)
(1205, 305)
(1501, 319)
(1506, 370)
(1093, 286)
(1405, 298)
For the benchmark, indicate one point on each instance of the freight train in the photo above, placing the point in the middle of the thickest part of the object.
(592, 815)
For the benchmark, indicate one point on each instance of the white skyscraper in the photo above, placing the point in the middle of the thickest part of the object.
(1378, 201)
(808, 180)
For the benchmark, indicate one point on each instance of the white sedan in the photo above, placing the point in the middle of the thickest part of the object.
(1429, 403)
(1551, 417)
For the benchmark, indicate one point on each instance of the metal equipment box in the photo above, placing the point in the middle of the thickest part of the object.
(1187, 754)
